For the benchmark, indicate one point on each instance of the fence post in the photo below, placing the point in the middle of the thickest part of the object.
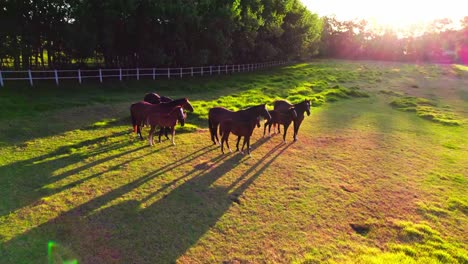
(154, 73)
(30, 77)
(120, 74)
(180, 72)
(168, 73)
(201, 70)
(1, 79)
(79, 76)
(138, 74)
(211, 70)
(219, 69)
(191, 69)
(56, 77)
(238, 67)
(100, 75)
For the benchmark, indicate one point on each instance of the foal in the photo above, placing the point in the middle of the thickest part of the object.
(166, 120)
(240, 129)
(280, 118)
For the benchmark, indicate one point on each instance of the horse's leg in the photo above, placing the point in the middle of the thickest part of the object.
(160, 133)
(166, 130)
(264, 128)
(139, 132)
(150, 137)
(248, 144)
(210, 126)
(285, 131)
(173, 134)
(215, 130)
(296, 128)
(237, 145)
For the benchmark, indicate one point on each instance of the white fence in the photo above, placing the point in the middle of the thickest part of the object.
(154, 73)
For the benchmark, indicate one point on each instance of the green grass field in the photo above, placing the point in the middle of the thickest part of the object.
(379, 174)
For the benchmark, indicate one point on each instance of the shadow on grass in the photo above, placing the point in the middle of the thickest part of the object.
(22, 182)
(158, 233)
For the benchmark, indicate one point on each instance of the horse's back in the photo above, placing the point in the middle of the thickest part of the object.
(217, 114)
(282, 105)
(152, 98)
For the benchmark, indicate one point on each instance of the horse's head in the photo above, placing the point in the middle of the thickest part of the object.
(292, 113)
(258, 122)
(181, 116)
(307, 108)
(187, 105)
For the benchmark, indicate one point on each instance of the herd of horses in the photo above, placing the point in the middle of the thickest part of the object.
(163, 112)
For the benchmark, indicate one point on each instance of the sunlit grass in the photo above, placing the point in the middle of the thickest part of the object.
(365, 183)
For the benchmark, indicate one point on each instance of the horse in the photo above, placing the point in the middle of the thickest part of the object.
(240, 129)
(284, 106)
(155, 98)
(280, 118)
(218, 114)
(166, 120)
(139, 111)
(152, 98)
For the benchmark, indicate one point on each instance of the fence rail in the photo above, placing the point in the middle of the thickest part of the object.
(154, 73)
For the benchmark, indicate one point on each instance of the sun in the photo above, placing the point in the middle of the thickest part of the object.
(397, 14)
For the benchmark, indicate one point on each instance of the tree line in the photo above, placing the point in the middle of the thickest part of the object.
(147, 33)
(438, 41)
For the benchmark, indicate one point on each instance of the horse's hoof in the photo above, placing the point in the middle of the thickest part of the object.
(230, 151)
(295, 139)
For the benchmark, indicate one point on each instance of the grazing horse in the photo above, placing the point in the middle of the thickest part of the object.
(166, 120)
(218, 114)
(280, 118)
(284, 106)
(139, 111)
(154, 98)
(240, 129)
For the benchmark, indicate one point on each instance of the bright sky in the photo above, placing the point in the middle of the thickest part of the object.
(395, 13)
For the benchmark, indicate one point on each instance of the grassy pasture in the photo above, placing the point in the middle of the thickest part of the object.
(365, 183)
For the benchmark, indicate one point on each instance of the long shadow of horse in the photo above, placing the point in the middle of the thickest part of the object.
(160, 232)
(22, 182)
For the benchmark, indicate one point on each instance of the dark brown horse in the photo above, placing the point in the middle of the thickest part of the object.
(240, 129)
(280, 118)
(140, 111)
(155, 98)
(152, 98)
(218, 114)
(284, 106)
(166, 120)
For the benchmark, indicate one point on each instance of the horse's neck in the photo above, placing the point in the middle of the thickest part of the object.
(300, 109)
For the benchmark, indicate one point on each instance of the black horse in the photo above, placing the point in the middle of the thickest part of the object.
(284, 106)
(154, 98)
(218, 114)
(280, 118)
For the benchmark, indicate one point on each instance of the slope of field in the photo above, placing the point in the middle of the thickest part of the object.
(365, 183)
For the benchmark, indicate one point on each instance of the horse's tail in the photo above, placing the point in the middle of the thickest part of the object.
(134, 122)
(210, 125)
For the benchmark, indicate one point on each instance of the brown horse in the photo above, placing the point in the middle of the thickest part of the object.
(240, 129)
(155, 98)
(166, 120)
(304, 106)
(217, 114)
(140, 111)
(279, 118)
